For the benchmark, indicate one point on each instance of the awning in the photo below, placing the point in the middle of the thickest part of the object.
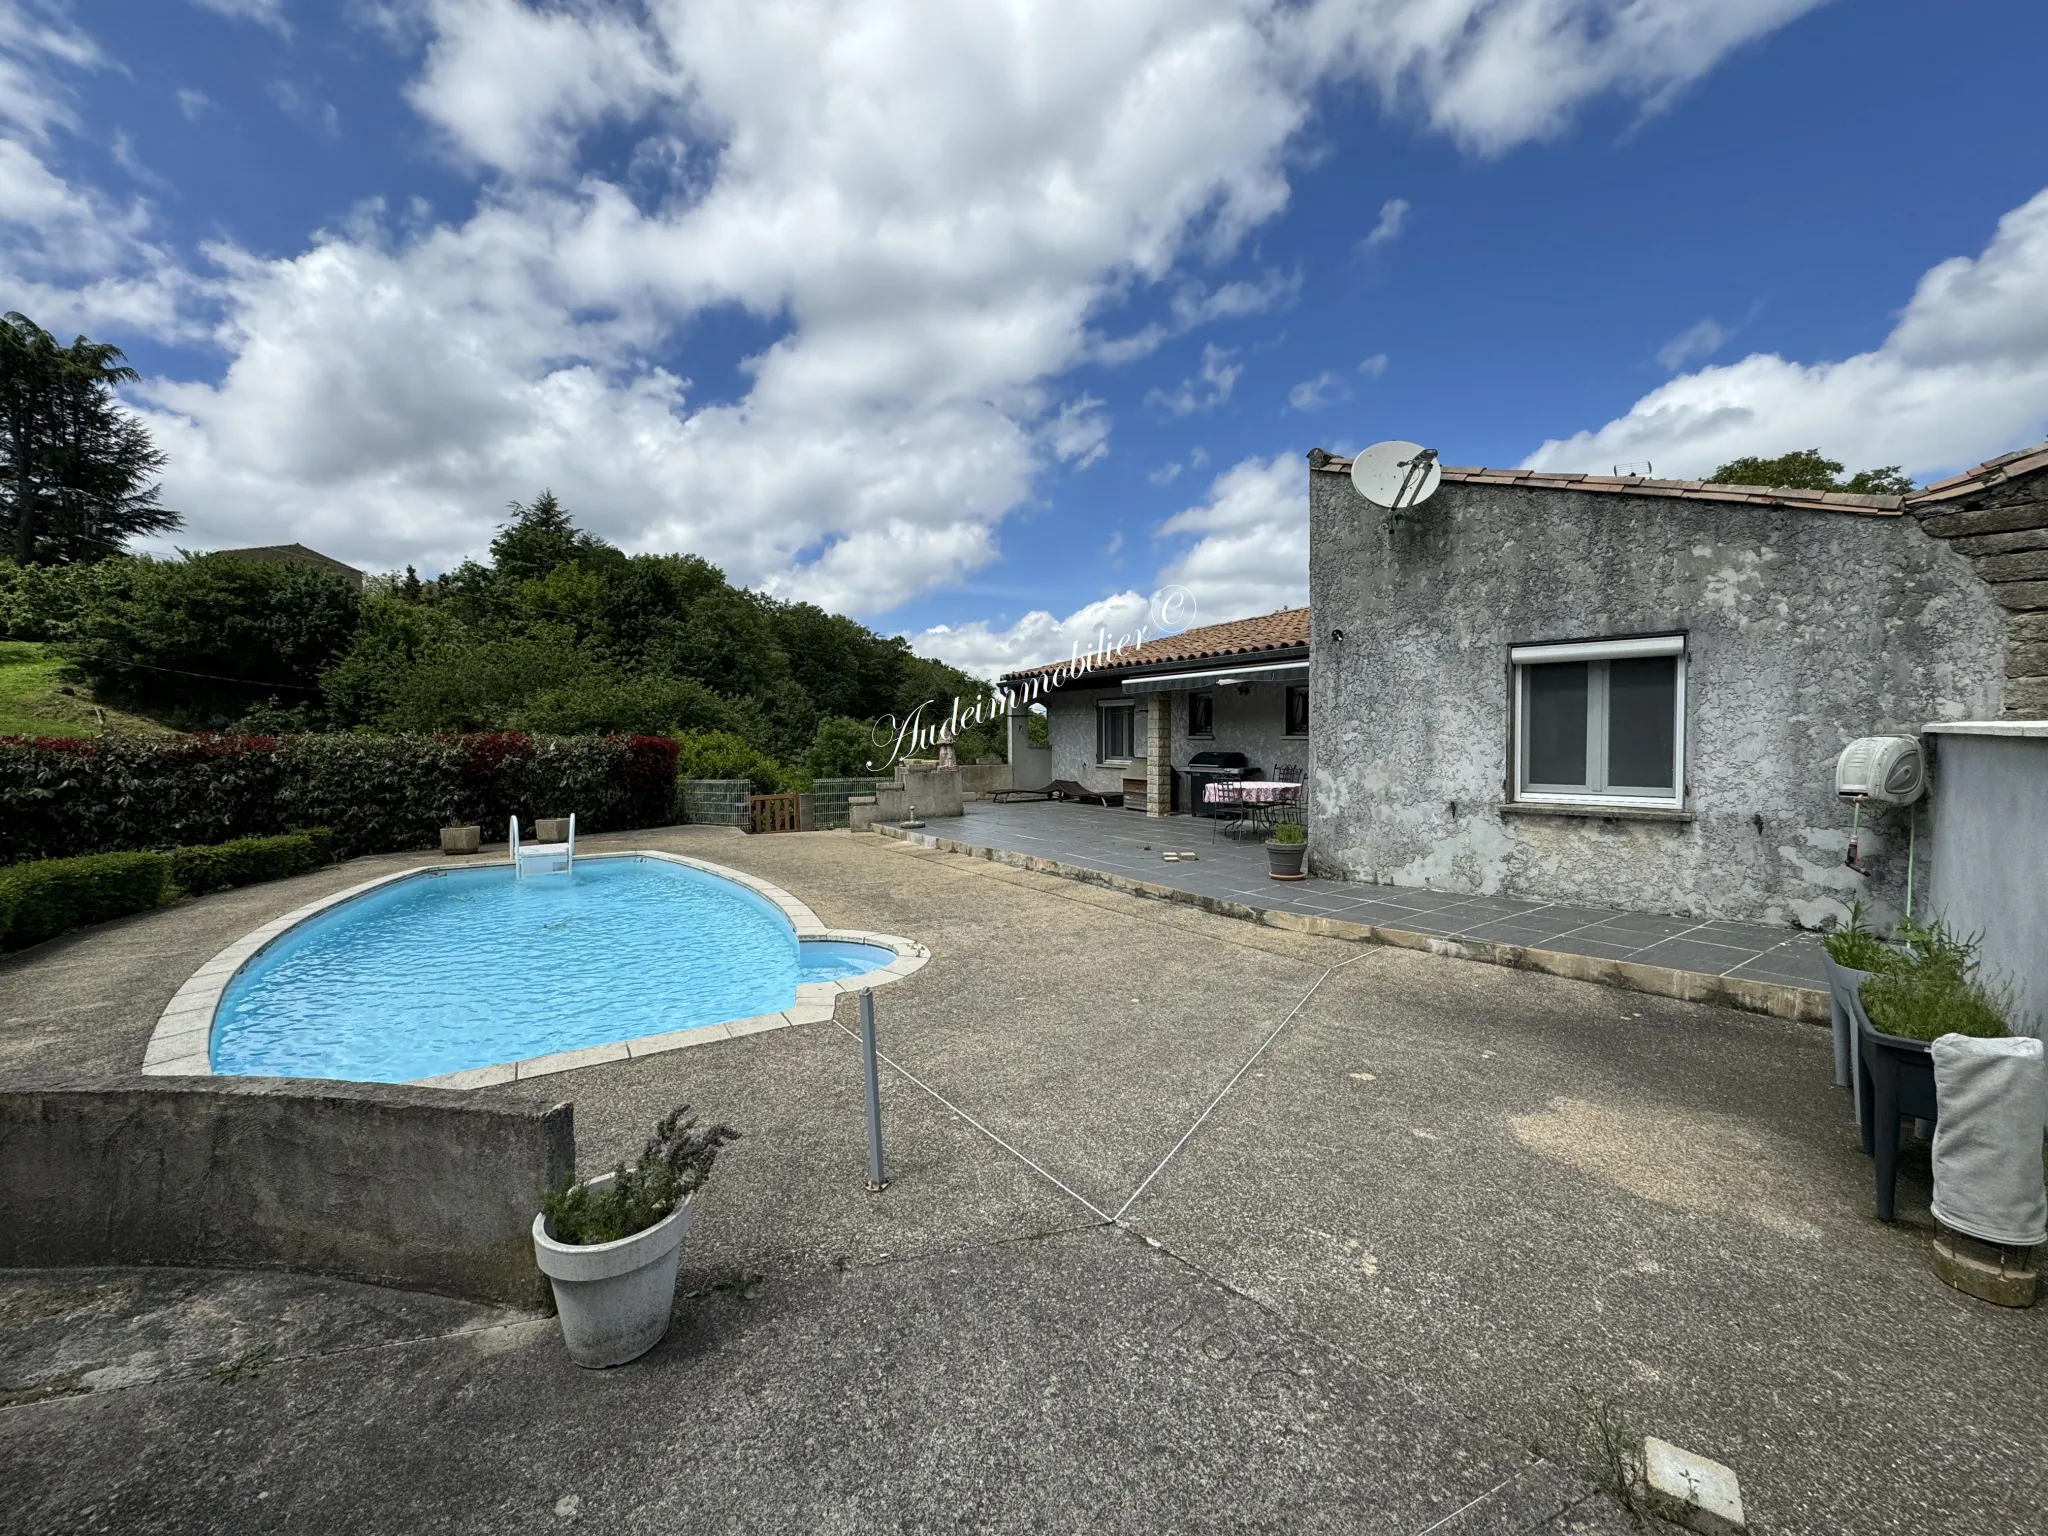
(1219, 677)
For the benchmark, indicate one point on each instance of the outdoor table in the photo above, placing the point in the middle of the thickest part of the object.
(1250, 792)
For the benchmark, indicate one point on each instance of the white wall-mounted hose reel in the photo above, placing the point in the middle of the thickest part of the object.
(1887, 770)
(1890, 770)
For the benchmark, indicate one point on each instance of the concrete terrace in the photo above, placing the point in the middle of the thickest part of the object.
(1194, 1225)
(1126, 844)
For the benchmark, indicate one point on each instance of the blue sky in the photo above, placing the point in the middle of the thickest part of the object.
(984, 324)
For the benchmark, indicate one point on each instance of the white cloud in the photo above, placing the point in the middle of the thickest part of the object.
(1165, 474)
(1251, 555)
(932, 225)
(1962, 376)
(1494, 75)
(194, 104)
(1209, 388)
(269, 13)
(1313, 394)
(1036, 638)
(1079, 434)
(1393, 216)
(1703, 338)
(1374, 366)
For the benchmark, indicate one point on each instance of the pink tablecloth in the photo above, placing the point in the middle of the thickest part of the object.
(1249, 792)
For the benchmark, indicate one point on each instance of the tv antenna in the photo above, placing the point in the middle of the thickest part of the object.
(1396, 475)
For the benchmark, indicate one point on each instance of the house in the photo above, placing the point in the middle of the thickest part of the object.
(1630, 692)
(1130, 725)
(296, 554)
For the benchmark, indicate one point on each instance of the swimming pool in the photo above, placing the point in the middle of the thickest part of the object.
(447, 970)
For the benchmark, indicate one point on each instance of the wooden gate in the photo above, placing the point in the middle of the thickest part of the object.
(773, 813)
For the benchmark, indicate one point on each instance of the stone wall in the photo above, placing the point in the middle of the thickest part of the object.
(713, 802)
(1999, 523)
(428, 1188)
(1804, 630)
(1988, 811)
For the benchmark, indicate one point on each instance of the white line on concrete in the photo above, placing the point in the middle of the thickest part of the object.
(1249, 1061)
(1437, 1525)
(919, 1082)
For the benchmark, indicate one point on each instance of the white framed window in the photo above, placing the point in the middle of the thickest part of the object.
(1601, 722)
(1116, 733)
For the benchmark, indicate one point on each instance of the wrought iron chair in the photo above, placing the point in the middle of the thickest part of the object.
(1287, 808)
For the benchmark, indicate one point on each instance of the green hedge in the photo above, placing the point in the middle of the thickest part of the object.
(250, 860)
(52, 896)
(379, 794)
(42, 899)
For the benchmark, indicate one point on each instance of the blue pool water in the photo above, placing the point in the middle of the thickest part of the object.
(467, 967)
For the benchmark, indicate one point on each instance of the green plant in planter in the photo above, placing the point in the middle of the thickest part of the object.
(1288, 833)
(1857, 948)
(1929, 987)
(673, 1165)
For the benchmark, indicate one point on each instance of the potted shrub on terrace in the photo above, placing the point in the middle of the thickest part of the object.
(1287, 851)
(609, 1245)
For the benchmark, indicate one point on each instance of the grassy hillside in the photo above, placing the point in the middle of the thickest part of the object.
(33, 701)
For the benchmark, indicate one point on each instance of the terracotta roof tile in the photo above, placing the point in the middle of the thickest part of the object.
(1286, 630)
(2007, 466)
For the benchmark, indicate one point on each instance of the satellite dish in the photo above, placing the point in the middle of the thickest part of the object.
(1396, 475)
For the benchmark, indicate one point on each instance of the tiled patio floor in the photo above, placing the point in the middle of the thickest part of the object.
(1122, 842)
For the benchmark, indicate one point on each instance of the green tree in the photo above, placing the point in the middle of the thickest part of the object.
(201, 639)
(842, 748)
(76, 468)
(539, 538)
(1810, 470)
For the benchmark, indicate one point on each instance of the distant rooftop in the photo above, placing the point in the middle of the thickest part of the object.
(296, 554)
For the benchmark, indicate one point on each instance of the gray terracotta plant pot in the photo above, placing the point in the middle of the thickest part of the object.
(461, 839)
(615, 1298)
(1284, 861)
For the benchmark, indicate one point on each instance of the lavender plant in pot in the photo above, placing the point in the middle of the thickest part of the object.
(1287, 851)
(609, 1245)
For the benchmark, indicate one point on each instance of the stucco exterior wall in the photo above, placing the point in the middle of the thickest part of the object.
(1804, 630)
(1070, 728)
(1988, 804)
(1253, 724)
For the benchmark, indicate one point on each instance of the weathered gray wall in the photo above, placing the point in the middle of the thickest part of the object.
(1988, 870)
(1805, 629)
(420, 1187)
(1254, 724)
(1070, 728)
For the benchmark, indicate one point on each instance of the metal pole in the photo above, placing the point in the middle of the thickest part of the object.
(876, 1183)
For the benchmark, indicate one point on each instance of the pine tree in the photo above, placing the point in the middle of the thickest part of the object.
(76, 468)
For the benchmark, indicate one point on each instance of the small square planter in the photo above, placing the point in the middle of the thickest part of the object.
(461, 839)
(1286, 861)
(551, 829)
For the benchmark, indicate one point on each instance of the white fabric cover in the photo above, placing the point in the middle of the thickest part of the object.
(1987, 1141)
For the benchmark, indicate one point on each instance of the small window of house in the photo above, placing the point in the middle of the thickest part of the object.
(1601, 721)
(1116, 736)
(1201, 714)
(1297, 711)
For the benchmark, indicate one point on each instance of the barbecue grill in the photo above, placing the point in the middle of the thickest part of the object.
(1204, 769)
